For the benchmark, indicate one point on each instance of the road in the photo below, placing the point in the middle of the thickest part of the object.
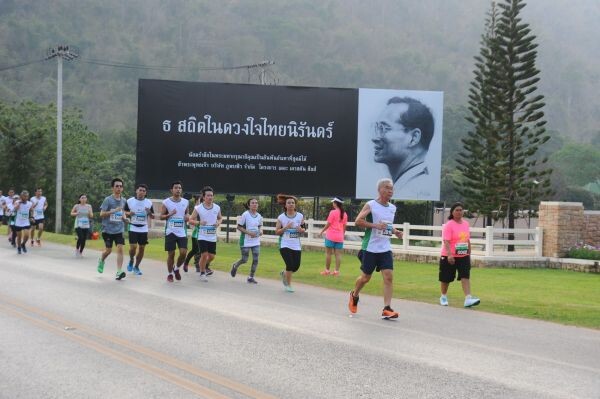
(68, 332)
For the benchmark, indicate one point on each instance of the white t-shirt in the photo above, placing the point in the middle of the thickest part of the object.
(176, 223)
(251, 223)
(22, 214)
(291, 237)
(376, 240)
(139, 215)
(38, 207)
(208, 231)
(2, 204)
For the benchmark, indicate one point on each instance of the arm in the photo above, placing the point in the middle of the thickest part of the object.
(193, 219)
(361, 220)
(164, 213)
(324, 229)
(73, 211)
(91, 213)
(219, 219)
(300, 228)
(278, 228)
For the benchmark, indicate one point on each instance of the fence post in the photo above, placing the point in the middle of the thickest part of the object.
(405, 235)
(310, 230)
(539, 241)
(489, 240)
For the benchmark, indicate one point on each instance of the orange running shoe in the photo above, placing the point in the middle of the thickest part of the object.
(353, 303)
(325, 272)
(388, 313)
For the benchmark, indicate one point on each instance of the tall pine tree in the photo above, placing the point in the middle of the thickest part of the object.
(501, 168)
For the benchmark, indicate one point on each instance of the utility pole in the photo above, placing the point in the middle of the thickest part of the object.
(68, 53)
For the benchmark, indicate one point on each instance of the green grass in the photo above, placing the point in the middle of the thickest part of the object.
(553, 295)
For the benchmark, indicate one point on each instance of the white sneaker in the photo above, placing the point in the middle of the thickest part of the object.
(444, 300)
(471, 301)
(203, 277)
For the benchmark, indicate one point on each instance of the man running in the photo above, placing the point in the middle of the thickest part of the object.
(140, 211)
(113, 226)
(8, 201)
(175, 211)
(22, 209)
(208, 217)
(40, 204)
(377, 216)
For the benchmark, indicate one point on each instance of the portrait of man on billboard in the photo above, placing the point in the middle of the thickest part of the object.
(396, 141)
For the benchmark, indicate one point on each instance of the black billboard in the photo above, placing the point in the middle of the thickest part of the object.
(242, 138)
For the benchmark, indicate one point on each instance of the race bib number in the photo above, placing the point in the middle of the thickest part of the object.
(139, 218)
(116, 217)
(387, 232)
(292, 233)
(175, 223)
(83, 223)
(208, 230)
(253, 232)
(461, 248)
(39, 212)
(23, 215)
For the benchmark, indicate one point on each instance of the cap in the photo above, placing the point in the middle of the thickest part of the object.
(338, 199)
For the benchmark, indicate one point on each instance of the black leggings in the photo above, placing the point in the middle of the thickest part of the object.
(81, 238)
(195, 252)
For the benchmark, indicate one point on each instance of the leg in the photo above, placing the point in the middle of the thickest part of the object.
(245, 255)
(132, 251)
(466, 286)
(140, 255)
(328, 252)
(119, 257)
(181, 258)
(444, 287)
(170, 260)
(84, 234)
(338, 259)
(388, 286)
(40, 231)
(361, 281)
(193, 252)
(255, 255)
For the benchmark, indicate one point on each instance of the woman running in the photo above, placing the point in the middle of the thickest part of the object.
(83, 217)
(334, 239)
(250, 227)
(456, 256)
(290, 225)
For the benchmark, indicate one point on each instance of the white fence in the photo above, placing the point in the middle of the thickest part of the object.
(489, 241)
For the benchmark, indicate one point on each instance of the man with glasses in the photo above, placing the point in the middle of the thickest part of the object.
(113, 225)
(401, 138)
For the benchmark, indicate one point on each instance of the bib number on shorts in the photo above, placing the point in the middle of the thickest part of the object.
(83, 223)
(461, 248)
(175, 223)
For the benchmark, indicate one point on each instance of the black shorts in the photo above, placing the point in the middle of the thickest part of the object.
(109, 239)
(172, 242)
(291, 258)
(20, 228)
(448, 272)
(4, 220)
(207, 246)
(38, 221)
(375, 261)
(138, 238)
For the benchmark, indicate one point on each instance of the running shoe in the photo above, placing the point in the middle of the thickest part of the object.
(24, 248)
(19, 251)
(170, 278)
(444, 300)
(203, 277)
(185, 267)
(197, 269)
(353, 303)
(233, 270)
(137, 271)
(100, 265)
(209, 271)
(289, 288)
(283, 279)
(177, 274)
(325, 272)
(32, 243)
(471, 301)
(120, 275)
(335, 273)
(251, 280)
(130, 266)
(76, 253)
(388, 313)
(39, 243)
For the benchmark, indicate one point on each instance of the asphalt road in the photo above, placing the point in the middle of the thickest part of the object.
(68, 332)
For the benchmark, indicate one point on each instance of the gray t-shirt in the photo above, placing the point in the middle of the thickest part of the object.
(113, 224)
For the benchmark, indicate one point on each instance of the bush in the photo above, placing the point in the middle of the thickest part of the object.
(584, 251)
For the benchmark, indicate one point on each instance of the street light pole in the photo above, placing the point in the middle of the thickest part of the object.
(60, 52)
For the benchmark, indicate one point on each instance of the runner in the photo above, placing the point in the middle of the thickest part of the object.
(207, 215)
(140, 212)
(195, 252)
(250, 227)
(2, 207)
(8, 200)
(289, 226)
(377, 216)
(334, 239)
(40, 204)
(83, 217)
(456, 256)
(9, 212)
(113, 226)
(175, 211)
(22, 208)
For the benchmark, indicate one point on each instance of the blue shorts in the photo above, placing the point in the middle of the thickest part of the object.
(333, 244)
(375, 261)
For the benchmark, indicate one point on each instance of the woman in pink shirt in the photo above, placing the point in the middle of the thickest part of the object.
(456, 256)
(334, 239)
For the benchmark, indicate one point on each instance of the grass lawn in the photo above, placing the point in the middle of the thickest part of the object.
(553, 295)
